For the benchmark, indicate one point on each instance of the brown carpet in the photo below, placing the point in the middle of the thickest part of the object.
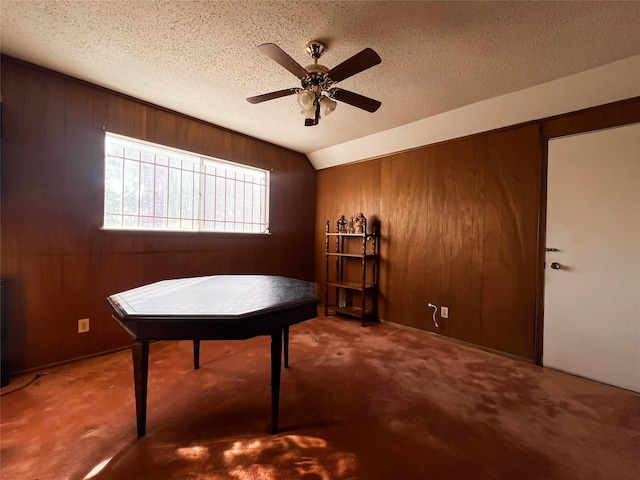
(357, 403)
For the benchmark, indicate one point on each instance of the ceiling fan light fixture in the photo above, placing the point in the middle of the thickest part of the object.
(309, 113)
(327, 105)
(316, 97)
(306, 99)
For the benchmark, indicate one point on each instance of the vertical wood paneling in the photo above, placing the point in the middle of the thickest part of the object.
(435, 220)
(492, 237)
(459, 224)
(121, 272)
(12, 174)
(99, 311)
(527, 181)
(40, 226)
(195, 137)
(61, 266)
(41, 293)
(474, 293)
(78, 170)
(508, 306)
(121, 117)
(96, 177)
(193, 264)
(76, 281)
(166, 128)
(12, 308)
(450, 163)
(405, 193)
(464, 323)
(212, 142)
(348, 190)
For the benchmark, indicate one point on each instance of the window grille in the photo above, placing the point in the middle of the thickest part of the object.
(152, 187)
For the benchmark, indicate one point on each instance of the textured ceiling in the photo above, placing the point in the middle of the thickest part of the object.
(200, 57)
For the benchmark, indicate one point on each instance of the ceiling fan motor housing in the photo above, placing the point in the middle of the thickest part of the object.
(315, 49)
(318, 80)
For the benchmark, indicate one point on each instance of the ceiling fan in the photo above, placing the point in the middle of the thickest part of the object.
(318, 82)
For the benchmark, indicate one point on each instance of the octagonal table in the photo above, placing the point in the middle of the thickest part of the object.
(221, 307)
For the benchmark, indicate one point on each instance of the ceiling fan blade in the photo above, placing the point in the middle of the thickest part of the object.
(270, 96)
(367, 58)
(360, 101)
(274, 52)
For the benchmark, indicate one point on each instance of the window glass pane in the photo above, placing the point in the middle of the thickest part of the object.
(130, 221)
(131, 187)
(114, 221)
(147, 156)
(153, 187)
(147, 189)
(161, 192)
(209, 198)
(256, 204)
(146, 222)
(220, 196)
(189, 196)
(248, 206)
(113, 188)
(174, 193)
(230, 200)
(132, 152)
(239, 203)
(115, 148)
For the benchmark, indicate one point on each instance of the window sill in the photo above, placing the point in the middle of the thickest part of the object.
(177, 233)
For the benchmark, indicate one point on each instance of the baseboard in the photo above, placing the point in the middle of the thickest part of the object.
(458, 342)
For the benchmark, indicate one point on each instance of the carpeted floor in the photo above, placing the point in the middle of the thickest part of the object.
(357, 403)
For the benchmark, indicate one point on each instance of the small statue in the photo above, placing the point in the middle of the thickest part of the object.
(350, 228)
(358, 223)
(342, 222)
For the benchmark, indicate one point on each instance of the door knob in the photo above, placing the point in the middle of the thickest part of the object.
(556, 266)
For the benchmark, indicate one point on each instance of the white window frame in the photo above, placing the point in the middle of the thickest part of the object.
(208, 212)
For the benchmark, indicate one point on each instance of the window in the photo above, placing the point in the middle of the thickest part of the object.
(151, 187)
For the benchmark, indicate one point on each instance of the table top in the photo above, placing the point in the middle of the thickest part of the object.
(221, 306)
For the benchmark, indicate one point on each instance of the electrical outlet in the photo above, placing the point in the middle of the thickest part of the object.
(83, 325)
(444, 312)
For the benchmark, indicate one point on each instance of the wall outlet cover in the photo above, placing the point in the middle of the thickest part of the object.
(83, 325)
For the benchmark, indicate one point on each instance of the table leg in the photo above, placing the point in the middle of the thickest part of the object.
(276, 361)
(140, 351)
(285, 338)
(196, 354)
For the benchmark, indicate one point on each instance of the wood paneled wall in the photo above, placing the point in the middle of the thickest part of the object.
(458, 225)
(463, 225)
(61, 267)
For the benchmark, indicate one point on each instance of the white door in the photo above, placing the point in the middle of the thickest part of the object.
(592, 301)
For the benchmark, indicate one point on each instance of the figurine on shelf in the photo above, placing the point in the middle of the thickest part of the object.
(350, 228)
(342, 224)
(358, 223)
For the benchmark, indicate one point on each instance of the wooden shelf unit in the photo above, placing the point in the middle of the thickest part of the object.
(351, 270)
